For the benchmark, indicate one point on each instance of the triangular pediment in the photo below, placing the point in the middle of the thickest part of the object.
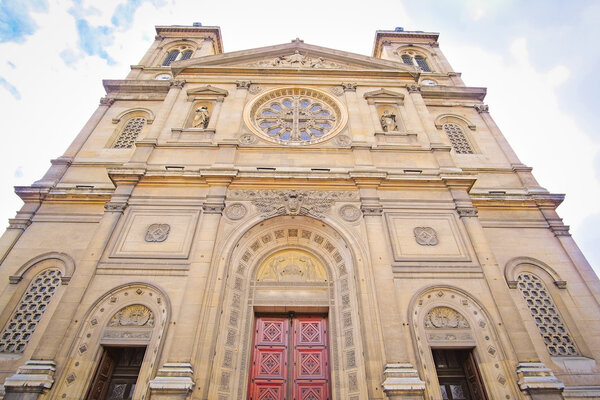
(207, 91)
(383, 94)
(292, 56)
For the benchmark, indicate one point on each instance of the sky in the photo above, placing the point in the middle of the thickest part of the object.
(537, 58)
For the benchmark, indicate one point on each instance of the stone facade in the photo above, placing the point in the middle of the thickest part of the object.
(208, 187)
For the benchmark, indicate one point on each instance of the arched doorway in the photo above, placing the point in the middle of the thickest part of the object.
(282, 265)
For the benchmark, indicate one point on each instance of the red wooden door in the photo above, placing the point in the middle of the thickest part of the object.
(303, 340)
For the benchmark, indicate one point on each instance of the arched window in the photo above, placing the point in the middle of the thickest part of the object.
(177, 54)
(29, 311)
(549, 322)
(457, 137)
(415, 60)
(130, 132)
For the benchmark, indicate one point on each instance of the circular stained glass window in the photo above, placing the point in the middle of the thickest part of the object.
(295, 116)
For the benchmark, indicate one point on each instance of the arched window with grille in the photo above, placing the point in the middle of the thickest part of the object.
(550, 324)
(458, 139)
(415, 60)
(177, 54)
(130, 132)
(28, 313)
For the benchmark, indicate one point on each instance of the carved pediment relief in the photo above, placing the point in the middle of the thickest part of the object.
(445, 317)
(291, 266)
(298, 60)
(136, 315)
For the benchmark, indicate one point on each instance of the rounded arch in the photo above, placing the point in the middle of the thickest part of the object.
(453, 119)
(241, 295)
(477, 332)
(87, 346)
(521, 264)
(416, 49)
(134, 112)
(66, 264)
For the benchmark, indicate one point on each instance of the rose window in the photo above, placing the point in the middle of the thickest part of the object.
(295, 116)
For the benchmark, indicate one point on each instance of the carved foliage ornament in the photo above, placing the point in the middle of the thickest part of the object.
(157, 232)
(135, 315)
(293, 202)
(445, 317)
(425, 236)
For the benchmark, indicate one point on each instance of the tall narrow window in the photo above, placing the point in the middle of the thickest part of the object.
(458, 140)
(172, 56)
(186, 54)
(130, 132)
(407, 59)
(422, 63)
(29, 311)
(549, 322)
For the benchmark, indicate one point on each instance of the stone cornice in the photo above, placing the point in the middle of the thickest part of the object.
(175, 31)
(453, 92)
(131, 86)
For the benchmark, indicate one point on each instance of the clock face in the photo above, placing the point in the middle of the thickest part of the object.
(428, 82)
(163, 77)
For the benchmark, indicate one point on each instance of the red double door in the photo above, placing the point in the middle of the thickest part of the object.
(290, 359)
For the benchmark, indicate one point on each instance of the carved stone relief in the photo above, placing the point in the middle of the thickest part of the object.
(445, 317)
(235, 211)
(134, 315)
(426, 236)
(157, 232)
(298, 60)
(247, 138)
(343, 141)
(350, 213)
(291, 266)
(293, 202)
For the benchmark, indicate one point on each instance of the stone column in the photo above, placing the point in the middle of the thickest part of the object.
(400, 379)
(37, 374)
(175, 379)
(356, 127)
(440, 150)
(510, 321)
(144, 147)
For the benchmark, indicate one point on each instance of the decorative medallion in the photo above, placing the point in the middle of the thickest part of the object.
(445, 317)
(425, 236)
(157, 232)
(235, 211)
(247, 138)
(135, 315)
(343, 141)
(293, 202)
(350, 213)
(295, 116)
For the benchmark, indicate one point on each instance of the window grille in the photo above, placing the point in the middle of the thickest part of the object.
(29, 311)
(407, 59)
(130, 133)
(172, 56)
(422, 63)
(186, 54)
(458, 140)
(549, 322)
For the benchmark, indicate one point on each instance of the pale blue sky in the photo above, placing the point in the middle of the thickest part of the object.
(537, 58)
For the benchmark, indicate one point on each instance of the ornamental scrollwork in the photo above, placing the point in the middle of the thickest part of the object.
(157, 232)
(293, 202)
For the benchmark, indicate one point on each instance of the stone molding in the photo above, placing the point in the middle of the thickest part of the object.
(402, 379)
(33, 377)
(173, 378)
(536, 377)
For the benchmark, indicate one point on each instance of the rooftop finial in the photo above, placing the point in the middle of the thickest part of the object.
(297, 40)
(399, 29)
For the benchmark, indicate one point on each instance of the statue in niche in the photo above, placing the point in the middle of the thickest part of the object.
(201, 118)
(388, 122)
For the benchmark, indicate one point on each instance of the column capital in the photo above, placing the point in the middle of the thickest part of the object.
(177, 84)
(349, 86)
(413, 88)
(482, 108)
(107, 101)
(243, 84)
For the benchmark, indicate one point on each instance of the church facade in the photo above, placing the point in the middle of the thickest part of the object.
(293, 222)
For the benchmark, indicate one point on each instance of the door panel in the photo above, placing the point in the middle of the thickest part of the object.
(301, 339)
